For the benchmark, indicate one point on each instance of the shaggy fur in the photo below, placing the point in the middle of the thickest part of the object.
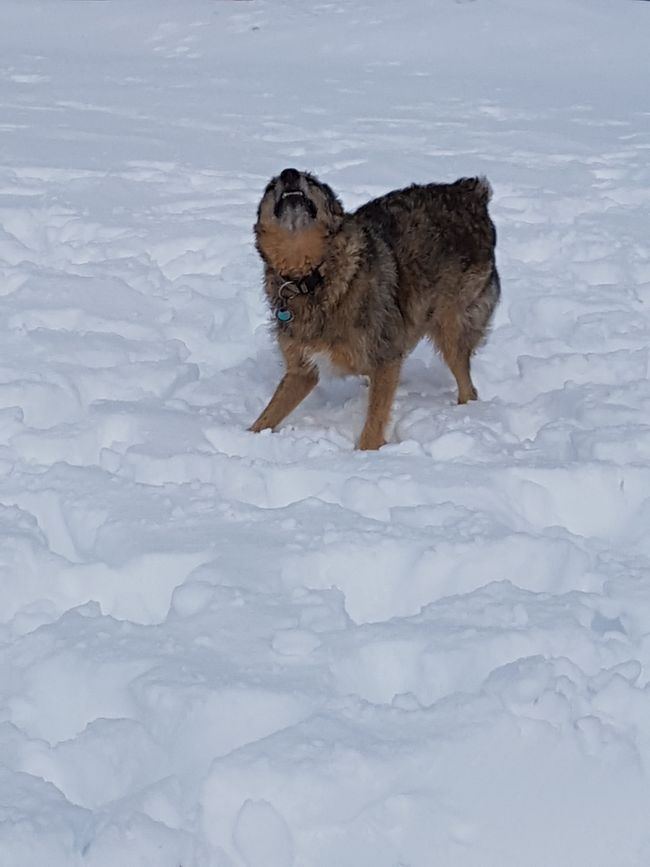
(364, 288)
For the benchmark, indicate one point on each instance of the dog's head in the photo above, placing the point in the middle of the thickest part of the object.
(296, 218)
(297, 200)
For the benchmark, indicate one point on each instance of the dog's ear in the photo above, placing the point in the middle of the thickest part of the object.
(333, 205)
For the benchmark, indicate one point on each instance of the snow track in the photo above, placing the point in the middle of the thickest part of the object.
(220, 649)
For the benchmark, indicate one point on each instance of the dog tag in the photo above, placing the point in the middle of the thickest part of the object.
(284, 315)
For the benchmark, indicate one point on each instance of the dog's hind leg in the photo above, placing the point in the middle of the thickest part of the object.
(292, 390)
(456, 347)
(457, 333)
(458, 361)
(383, 383)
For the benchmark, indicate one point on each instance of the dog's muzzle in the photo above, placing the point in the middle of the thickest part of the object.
(291, 198)
(294, 201)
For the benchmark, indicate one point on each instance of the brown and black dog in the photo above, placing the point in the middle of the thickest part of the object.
(362, 289)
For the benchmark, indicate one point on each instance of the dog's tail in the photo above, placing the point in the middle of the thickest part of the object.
(483, 189)
(480, 188)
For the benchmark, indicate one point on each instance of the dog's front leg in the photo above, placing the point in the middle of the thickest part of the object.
(383, 382)
(294, 387)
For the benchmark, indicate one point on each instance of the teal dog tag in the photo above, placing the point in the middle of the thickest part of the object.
(284, 315)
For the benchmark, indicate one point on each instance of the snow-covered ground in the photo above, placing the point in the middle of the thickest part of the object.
(220, 649)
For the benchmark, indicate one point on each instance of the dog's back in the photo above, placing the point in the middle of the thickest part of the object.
(431, 225)
(443, 242)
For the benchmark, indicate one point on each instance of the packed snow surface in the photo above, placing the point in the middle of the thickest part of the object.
(221, 649)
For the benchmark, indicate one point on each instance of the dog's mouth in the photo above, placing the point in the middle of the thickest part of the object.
(287, 193)
(295, 206)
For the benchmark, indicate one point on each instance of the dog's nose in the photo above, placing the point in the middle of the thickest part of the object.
(290, 179)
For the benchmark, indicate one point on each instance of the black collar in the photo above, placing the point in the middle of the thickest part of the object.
(307, 285)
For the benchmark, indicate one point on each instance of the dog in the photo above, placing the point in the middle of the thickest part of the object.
(362, 289)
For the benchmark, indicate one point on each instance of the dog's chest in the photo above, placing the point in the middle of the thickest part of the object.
(333, 361)
(323, 360)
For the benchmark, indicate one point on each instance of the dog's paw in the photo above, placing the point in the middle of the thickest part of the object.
(259, 426)
(370, 442)
(466, 396)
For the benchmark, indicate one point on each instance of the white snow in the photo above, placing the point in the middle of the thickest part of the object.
(220, 649)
